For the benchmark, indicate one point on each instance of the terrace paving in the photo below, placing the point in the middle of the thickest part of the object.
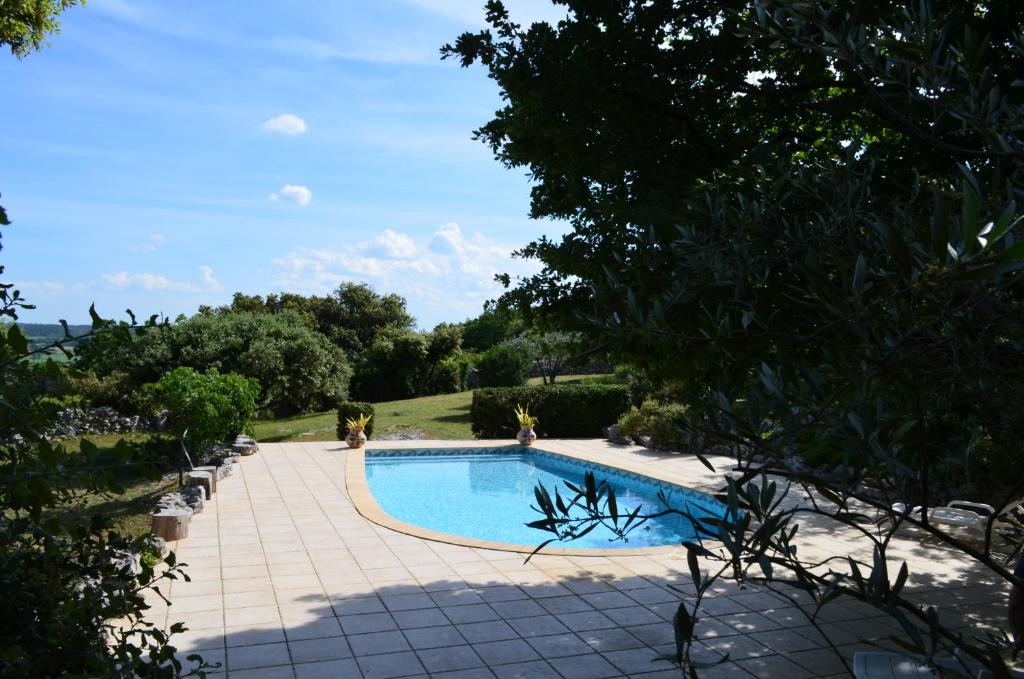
(289, 580)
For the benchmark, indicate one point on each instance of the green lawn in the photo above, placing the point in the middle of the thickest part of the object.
(439, 417)
(129, 511)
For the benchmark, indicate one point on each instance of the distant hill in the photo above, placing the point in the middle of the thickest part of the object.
(43, 334)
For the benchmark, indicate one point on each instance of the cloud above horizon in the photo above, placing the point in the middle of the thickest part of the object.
(450, 271)
(287, 124)
(300, 195)
(150, 282)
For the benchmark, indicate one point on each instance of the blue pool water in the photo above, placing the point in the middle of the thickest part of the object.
(487, 494)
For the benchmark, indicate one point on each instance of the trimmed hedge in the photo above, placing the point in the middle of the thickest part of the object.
(562, 410)
(353, 409)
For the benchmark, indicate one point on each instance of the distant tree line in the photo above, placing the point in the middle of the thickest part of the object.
(309, 352)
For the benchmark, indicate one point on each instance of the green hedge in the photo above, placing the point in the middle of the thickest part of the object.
(563, 411)
(353, 409)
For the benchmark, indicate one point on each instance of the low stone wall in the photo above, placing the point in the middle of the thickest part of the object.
(174, 511)
(71, 422)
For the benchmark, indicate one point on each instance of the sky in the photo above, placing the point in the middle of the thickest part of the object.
(159, 156)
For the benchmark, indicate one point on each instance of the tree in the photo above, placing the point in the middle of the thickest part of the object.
(25, 24)
(298, 369)
(553, 352)
(351, 317)
(493, 326)
(623, 110)
(404, 364)
(504, 365)
(806, 214)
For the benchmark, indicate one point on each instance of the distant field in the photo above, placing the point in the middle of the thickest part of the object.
(40, 335)
(441, 417)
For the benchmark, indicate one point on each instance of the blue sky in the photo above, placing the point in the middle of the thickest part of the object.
(159, 156)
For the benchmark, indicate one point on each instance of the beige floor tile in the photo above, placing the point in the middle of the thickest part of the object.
(251, 615)
(281, 545)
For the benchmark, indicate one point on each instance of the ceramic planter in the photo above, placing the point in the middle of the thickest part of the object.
(526, 436)
(355, 438)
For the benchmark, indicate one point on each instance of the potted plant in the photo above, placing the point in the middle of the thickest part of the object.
(356, 438)
(526, 435)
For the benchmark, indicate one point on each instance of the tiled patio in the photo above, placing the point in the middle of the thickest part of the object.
(288, 580)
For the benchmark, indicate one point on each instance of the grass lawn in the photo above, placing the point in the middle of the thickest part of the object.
(129, 511)
(441, 417)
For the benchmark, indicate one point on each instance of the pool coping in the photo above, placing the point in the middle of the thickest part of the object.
(367, 506)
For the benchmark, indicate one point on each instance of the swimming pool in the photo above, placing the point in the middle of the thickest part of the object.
(486, 494)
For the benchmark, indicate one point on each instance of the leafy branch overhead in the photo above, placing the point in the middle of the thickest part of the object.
(802, 221)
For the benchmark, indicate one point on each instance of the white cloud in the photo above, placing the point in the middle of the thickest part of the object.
(287, 123)
(150, 282)
(396, 245)
(208, 281)
(152, 244)
(447, 275)
(301, 195)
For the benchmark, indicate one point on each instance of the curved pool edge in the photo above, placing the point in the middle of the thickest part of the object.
(367, 506)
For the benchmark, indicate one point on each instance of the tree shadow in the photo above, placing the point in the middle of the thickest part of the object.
(555, 614)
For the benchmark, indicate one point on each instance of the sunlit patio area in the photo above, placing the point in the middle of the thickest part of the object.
(289, 579)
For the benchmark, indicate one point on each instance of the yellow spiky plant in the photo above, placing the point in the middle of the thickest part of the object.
(524, 417)
(358, 422)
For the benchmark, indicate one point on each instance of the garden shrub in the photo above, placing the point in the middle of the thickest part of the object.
(351, 410)
(452, 375)
(406, 364)
(211, 406)
(670, 426)
(503, 366)
(563, 410)
(392, 368)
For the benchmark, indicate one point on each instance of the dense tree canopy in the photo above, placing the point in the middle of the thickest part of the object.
(351, 317)
(805, 214)
(492, 326)
(804, 217)
(625, 110)
(297, 368)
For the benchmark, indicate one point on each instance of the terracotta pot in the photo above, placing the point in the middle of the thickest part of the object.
(526, 436)
(355, 438)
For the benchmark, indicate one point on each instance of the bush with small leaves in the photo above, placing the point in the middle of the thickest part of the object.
(352, 410)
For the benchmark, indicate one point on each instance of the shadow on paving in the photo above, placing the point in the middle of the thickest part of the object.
(601, 625)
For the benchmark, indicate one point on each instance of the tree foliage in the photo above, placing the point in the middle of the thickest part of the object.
(297, 368)
(25, 24)
(493, 326)
(72, 601)
(806, 216)
(806, 213)
(404, 364)
(351, 317)
(503, 365)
